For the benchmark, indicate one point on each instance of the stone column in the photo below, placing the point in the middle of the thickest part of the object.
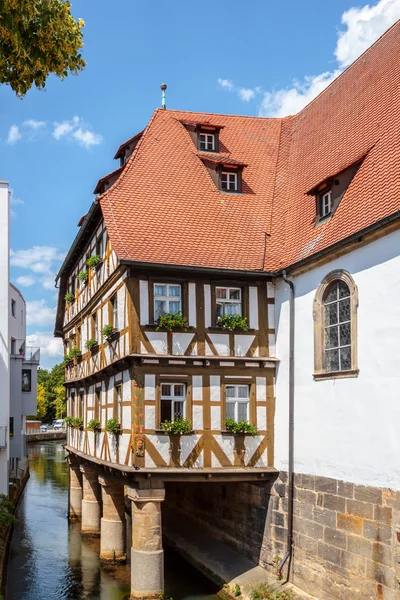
(91, 503)
(147, 555)
(75, 492)
(112, 536)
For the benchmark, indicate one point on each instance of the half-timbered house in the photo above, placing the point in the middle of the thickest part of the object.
(290, 225)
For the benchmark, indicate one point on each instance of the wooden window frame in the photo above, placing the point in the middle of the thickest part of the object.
(237, 400)
(245, 299)
(167, 281)
(204, 131)
(112, 312)
(173, 398)
(319, 328)
(117, 408)
(231, 171)
(97, 403)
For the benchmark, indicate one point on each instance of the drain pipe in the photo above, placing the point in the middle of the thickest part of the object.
(289, 548)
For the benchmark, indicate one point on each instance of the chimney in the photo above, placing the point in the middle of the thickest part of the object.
(163, 88)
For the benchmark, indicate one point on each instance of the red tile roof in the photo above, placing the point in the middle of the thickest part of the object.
(165, 208)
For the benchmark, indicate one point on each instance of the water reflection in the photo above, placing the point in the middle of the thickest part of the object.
(49, 559)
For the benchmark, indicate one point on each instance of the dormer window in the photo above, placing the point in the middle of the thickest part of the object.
(207, 142)
(325, 199)
(229, 181)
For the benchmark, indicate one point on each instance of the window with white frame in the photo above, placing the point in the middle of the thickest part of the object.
(118, 402)
(114, 310)
(207, 141)
(99, 246)
(228, 301)
(237, 402)
(325, 204)
(173, 400)
(167, 299)
(229, 181)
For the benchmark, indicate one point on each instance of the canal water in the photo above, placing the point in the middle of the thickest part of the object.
(49, 560)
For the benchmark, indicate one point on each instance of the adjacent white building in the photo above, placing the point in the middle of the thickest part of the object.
(4, 334)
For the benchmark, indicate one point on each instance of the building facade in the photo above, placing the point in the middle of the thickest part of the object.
(24, 361)
(244, 269)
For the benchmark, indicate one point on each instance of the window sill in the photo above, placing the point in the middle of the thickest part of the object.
(232, 193)
(336, 375)
(217, 328)
(226, 432)
(162, 432)
(153, 327)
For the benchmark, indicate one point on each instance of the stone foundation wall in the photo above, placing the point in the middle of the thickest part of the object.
(346, 536)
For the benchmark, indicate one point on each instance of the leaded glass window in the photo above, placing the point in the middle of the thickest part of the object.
(337, 327)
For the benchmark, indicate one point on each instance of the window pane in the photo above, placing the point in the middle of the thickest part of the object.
(332, 337)
(159, 308)
(174, 306)
(230, 391)
(165, 390)
(26, 380)
(344, 310)
(345, 336)
(179, 389)
(332, 292)
(159, 290)
(220, 292)
(243, 391)
(178, 410)
(174, 290)
(331, 314)
(232, 309)
(345, 359)
(220, 310)
(230, 410)
(344, 291)
(332, 360)
(242, 411)
(234, 294)
(166, 410)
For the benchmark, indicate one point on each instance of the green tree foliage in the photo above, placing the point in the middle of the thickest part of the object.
(37, 38)
(51, 398)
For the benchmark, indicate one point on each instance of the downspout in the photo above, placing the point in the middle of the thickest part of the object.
(289, 548)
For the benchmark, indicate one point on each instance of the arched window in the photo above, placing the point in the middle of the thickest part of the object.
(335, 327)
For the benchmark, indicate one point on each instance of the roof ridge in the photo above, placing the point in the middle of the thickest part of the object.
(191, 112)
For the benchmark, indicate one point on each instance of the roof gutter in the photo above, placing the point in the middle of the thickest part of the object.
(191, 268)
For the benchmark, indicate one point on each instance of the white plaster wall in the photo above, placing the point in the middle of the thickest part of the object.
(4, 327)
(253, 305)
(346, 428)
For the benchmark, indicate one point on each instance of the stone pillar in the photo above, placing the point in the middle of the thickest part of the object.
(112, 536)
(91, 503)
(147, 555)
(75, 492)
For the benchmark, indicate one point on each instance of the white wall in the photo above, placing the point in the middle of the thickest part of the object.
(346, 428)
(4, 327)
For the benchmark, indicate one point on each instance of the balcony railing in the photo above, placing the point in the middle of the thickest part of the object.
(3, 437)
(28, 353)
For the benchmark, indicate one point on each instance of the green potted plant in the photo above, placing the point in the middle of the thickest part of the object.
(177, 427)
(91, 343)
(172, 321)
(233, 322)
(113, 426)
(93, 261)
(69, 298)
(77, 423)
(83, 276)
(108, 332)
(240, 427)
(94, 425)
(68, 421)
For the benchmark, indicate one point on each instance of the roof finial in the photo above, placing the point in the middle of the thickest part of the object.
(163, 88)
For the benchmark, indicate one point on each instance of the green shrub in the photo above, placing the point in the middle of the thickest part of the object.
(107, 332)
(6, 512)
(233, 322)
(91, 343)
(77, 423)
(241, 427)
(237, 591)
(68, 421)
(177, 427)
(69, 298)
(93, 261)
(172, 321)
(83, 276)
(94, 425)
(270, 592)
(113, 426)
(73, 353)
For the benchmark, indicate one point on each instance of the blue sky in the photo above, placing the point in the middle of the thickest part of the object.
(256, 58)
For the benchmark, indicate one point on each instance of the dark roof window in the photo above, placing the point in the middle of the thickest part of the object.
(229, 181)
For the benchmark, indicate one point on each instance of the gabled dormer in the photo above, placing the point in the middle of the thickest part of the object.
(225, 172)
(125, 150)
(205, 136)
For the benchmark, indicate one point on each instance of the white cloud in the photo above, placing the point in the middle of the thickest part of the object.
(38, 313)
(364, 25)
(291, 100)
(76, 130)
(25, 280)
(14, 134)
(43, 261)
(14, 201)
(50, 347)
(34, 124)
(225, 83)
(246, 94)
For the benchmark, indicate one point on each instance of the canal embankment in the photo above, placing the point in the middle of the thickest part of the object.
(46, 437)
